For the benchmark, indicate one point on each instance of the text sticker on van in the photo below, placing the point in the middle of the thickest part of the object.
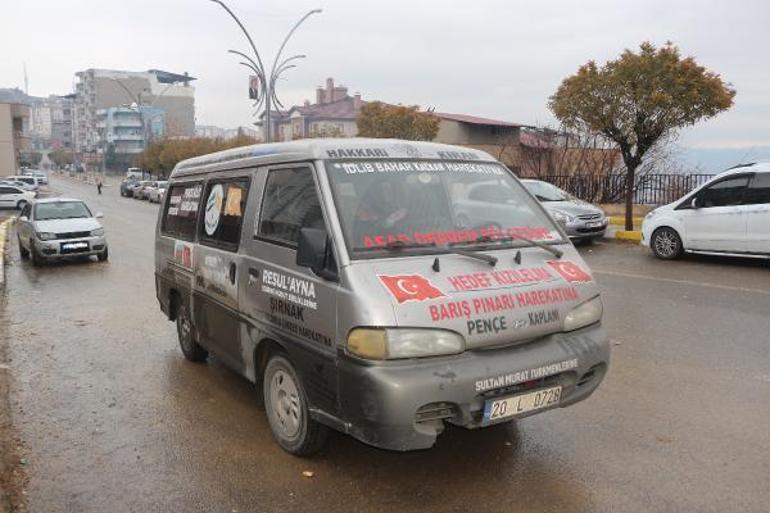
(410, 287)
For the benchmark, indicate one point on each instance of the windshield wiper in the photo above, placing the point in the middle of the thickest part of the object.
(509, 238)
(397, 245)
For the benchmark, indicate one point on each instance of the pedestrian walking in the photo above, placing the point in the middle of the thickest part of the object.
(99, 185)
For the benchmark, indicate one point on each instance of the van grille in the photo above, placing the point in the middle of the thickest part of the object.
(435, 411)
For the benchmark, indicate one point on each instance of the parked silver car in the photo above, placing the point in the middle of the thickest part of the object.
(58, 228)
(581, 220)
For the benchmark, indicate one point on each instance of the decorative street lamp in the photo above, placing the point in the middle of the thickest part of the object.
(266, 97)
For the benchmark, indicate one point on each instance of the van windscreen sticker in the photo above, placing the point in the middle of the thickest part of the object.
(213, 209)
(410, 287)
(570, 271)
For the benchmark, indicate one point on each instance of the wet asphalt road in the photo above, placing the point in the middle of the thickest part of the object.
(116, 420)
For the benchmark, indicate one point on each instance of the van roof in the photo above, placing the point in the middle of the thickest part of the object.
(316, 149)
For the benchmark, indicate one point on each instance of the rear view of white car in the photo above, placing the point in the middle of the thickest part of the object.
(730, 214)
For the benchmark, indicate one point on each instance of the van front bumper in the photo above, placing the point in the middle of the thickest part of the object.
(402, 405)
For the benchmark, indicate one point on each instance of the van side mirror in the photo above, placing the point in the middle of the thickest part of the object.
(99, 215)
(23, 218)
(314, 251)
(695, 203)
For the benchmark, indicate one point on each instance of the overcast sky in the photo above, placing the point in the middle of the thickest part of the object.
(499, 59)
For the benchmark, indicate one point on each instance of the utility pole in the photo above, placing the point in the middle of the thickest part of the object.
(266, 96)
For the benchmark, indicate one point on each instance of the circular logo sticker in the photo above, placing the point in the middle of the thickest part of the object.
(213, 209)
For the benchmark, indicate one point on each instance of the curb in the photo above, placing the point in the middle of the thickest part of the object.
(3, 238)
(621, 220)
(631, 236)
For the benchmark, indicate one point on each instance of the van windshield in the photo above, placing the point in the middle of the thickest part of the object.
(419, 206)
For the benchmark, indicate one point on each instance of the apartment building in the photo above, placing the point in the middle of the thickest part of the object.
(100, 89)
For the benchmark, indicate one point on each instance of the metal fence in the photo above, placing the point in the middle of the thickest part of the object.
(651, 189)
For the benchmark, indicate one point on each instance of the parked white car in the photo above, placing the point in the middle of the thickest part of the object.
(15, 197)
(730, 214)
(32, 181)
(56, 228)
(157, 192)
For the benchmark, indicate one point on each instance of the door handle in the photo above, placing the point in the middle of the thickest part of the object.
(232, 273)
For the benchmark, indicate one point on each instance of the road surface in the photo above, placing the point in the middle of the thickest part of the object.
(116, 420)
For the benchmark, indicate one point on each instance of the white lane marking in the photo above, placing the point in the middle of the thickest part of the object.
(683, 282)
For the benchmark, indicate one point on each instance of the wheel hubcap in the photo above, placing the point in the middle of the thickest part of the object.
(184, 329)
(285, 403)
(666, 244)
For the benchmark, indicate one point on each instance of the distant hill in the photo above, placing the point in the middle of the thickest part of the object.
(715, 160)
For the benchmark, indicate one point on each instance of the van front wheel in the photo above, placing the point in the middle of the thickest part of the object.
(184, 330)
(287, 409)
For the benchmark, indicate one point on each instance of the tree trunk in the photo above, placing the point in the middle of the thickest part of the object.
(630, 172)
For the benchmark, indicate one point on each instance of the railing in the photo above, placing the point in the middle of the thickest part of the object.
(651, 189)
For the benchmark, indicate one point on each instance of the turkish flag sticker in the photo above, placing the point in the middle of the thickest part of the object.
(410, 287)
(570, 271)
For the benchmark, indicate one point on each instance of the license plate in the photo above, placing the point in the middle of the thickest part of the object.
(593, 224)
(74, 245)
(497, 409)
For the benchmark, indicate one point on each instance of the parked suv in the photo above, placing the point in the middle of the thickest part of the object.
(56, 228)
(730, 214)
(337, 276)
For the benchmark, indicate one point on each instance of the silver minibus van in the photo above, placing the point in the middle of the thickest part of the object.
(382, 288)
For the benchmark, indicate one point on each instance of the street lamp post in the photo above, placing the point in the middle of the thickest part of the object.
(266, 95)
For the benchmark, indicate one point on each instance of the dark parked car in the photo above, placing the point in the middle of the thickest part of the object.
(127, 187)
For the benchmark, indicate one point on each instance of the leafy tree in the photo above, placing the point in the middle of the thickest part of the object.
(161, 156)
(640, 99)
(380, 120)
(30, 158)
(61, 158)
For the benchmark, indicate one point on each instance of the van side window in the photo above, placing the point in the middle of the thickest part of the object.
(223, 207)
(758, 192)
(290, 202)
(181, 214)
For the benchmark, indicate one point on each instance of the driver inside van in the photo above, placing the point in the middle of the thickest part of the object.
(417, 204)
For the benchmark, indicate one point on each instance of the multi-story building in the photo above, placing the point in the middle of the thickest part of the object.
(125, 131)
(14, 136)
(333, 114)
(99, 89)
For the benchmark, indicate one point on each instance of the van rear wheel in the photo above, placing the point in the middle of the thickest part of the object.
(184, 330)
(287, 410)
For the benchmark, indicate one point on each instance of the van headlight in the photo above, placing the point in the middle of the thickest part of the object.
(394, 343)
(584, 315)
(97, 233)
(46, 235)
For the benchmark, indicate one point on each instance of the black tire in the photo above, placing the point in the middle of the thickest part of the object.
(21, 204)
(666, 244)
(104, 255)
(286, 407)
(184, 330)
(23, 253)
